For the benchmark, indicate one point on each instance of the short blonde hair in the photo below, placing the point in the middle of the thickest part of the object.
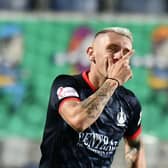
(119, 30)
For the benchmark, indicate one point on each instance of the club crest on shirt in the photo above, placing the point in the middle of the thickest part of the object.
(121, 118)
(63, 92)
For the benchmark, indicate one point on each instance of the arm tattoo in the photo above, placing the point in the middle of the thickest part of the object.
(95, 103)
(132, 154)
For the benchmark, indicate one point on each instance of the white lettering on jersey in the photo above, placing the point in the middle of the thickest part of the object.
(98, 143)
(63, 92)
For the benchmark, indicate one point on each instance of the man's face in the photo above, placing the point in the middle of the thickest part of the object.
(110, 45)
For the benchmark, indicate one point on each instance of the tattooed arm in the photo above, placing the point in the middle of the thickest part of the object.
(134, 153)
(82, 114)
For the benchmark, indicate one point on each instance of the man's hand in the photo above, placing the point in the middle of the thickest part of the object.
(134, 153)
(120, 70)
(131, 157)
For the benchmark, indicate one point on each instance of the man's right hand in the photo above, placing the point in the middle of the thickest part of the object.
(120, 70)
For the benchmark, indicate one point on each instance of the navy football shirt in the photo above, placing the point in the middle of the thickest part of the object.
(63, 147)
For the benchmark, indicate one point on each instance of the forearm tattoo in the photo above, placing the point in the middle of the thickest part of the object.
(131, 157)
(132, 154)
(95, 103)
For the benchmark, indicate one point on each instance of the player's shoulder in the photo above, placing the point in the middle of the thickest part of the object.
(126, 92)
(63, 76)
(129, 96)
(65, 79)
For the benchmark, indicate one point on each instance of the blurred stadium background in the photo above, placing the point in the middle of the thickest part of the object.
(41, 39)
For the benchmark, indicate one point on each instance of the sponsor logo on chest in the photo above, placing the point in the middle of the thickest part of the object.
(98, 143)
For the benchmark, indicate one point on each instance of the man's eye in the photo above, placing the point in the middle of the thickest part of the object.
(114, 50)
(125, 51)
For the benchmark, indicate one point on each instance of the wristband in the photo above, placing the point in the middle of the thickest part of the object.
(118, 83)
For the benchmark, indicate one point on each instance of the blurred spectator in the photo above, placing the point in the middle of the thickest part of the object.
(143, 6)
(40, 4)
(155, 6)
(90, 6)
(14, 4)
(106, 5)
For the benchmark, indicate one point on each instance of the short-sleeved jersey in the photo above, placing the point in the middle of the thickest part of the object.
(63, 147)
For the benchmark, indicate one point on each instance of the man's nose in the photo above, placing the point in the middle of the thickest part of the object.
(118, 55)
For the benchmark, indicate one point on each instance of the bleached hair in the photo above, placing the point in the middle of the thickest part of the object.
(119, 30)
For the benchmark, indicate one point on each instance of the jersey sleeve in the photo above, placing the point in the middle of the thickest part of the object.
(134, 127)
(64, 87)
